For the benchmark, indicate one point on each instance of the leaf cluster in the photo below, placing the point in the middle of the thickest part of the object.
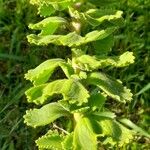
(88, 33)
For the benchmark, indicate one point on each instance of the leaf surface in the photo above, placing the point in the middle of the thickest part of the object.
(43, 72)
(110, 86)
(87, 62)
(47, 8)
(50, 141)
(96, 101)
(48, 26)
(67, 143)
(72, 91)
(44, 115)
(115, 19)
(131, 125)
(84, 137)
(112, 132)
(71, 39)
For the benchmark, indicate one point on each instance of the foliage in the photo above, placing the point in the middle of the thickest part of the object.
(88, 33)
(17, 56)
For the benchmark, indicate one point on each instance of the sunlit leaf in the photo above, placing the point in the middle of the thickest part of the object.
(88, 63)
(44, 115)
(43, 72)
(50, 141)
(71, 90)
(110, 86)
(71, 39)
(48, 26)
(84, 137)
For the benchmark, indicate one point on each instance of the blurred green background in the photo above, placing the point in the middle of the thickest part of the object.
(17, 56)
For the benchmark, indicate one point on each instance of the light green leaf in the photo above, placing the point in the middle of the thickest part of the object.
(95, 18)
(44, 115)
(104, 46)
(84, 137)
(137, 129)
(43, 72)
(113, 132)
(110, 86)
(50, 141)
(67, 143)
(96, 101)
(48, 26)
(115, 19)
(88, 63)
(46, 7)
(71, 39)
(73, 108)
(106, 114)
(72, 91)
(98, 35)
(46, 10)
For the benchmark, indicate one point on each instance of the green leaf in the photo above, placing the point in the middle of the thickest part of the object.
(115, 19)
(84, 137)
(71, 39)
(104, 46)
(96, 101)
(112, 132)
(43, 72)
(98, 35)
(67, 143)
(131, 125)
(48, 26)
(50, 141)
(110, 86)
(88, 63)
(95, 18)
(46, 8)
(106, 114)
(73, 108)
(44, 115)
(72, 91)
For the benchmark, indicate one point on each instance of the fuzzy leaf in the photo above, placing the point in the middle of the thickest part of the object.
(43, 72)
(88, 63)
(95, 18)
(44, 115)
(114, 133)
(71, 39)
(96, 101)
(73, 108)
(110, 86)
(84, 137)
(115, 19)
(48, 26)
(46, 7)
(131, 125)
(50, 141)
(106, 114)
(46, 10)
(104, 46)
(67, 143)
(72, 91)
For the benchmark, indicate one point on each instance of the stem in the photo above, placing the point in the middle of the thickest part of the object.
(77, 117)
(55, 126)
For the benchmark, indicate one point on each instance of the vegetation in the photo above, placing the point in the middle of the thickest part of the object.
(17, 56)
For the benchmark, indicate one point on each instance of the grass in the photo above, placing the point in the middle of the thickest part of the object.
(17, 56)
